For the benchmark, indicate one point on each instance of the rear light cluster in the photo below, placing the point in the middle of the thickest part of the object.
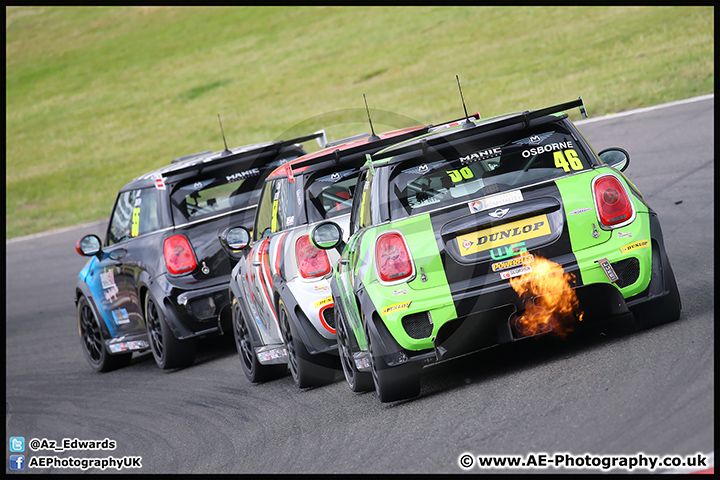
(393, 258)
(613, 204)
(312, 262)
(179, 257)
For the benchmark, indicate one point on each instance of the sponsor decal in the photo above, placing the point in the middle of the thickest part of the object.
(110, 289)
(502, 235)
(635, 245)
(253, 172)
(481, 155)
(609, 271)
(508, 251)
(124, 346)
(516, 272)
(494, 201)
(515, 262)
(324, 301)
(394, 308)
(533, 139)
(400, 292)
(290, 221)
(625, 235)
(578, 211)
(159, 181)
(320, 288)
(550, 147)
(120, 316)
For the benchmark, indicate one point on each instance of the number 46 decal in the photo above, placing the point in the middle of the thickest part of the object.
(567, 159)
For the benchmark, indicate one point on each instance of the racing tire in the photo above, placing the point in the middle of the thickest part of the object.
(665, 309)
(94, 348)
(392, 383)
(255, 371)
(307, 370)
(357, 381)
(169, 352)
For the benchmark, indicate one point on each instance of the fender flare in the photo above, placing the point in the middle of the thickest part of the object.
(314, 342)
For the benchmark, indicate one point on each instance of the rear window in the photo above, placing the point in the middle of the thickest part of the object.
(498, 164)
(330, 193)
(221, 190)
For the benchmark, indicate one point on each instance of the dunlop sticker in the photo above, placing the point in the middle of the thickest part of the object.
(324, 301)
(394, 308)
(507, 234)
(515, 262)
(635, 245)
(493, 201)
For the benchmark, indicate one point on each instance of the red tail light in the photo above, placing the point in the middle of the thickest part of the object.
(392, 257)
(613, 204)
(179, 257)
(311, 261)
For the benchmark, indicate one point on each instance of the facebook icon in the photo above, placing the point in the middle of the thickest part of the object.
(17, 462)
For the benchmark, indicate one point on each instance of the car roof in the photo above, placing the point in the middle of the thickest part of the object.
(188, 165)
(349, 147)
(476, 129)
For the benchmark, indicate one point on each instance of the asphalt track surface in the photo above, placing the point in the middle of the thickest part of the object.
(612, 392)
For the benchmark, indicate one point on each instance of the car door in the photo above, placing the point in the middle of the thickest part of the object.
(271, 217)
(113, 283)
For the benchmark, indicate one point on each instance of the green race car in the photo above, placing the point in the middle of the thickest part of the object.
(485, 233)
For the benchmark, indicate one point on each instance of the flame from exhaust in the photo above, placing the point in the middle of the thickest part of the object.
(550, 303)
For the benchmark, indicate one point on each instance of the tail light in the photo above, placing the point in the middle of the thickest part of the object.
(311, 261)
(613, 204)
(393, 258)
(179, 257)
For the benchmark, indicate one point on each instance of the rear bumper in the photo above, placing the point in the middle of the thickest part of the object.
(196, 312)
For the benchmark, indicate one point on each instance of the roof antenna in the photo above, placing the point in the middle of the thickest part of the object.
(226, 151)
(468, 123)
(372, 137)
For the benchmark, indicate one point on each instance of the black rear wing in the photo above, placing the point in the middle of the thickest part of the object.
(488, 126)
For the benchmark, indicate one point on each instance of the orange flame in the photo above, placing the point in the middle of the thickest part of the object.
(550, 303)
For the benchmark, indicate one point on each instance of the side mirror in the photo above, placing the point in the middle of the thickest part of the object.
(327, 235)
(235, 238)
(615, 157)
(88, 245)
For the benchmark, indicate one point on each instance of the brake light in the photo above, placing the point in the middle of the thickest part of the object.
(614, 205)
(392, 258)
(312, 262)
(179, 257)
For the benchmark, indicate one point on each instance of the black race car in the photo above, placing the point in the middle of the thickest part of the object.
(160, 279)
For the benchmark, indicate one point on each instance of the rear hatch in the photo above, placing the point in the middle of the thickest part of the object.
(494, 205)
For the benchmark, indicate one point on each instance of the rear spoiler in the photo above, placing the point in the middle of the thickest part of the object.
(490, 125)
(319, 136)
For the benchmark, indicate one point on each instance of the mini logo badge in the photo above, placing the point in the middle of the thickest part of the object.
(499, 213)
(335, 177)
(423, 168)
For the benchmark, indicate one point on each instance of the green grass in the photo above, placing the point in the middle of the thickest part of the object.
(98, 95)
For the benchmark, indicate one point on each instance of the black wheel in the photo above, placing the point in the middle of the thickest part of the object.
(665, 309)
(356, 380)
(96, 353)
(169, 352)
(392, 383)
(253, 369)
(307, 370)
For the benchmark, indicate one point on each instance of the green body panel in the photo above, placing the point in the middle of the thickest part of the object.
(576, 191)
(415, 296)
